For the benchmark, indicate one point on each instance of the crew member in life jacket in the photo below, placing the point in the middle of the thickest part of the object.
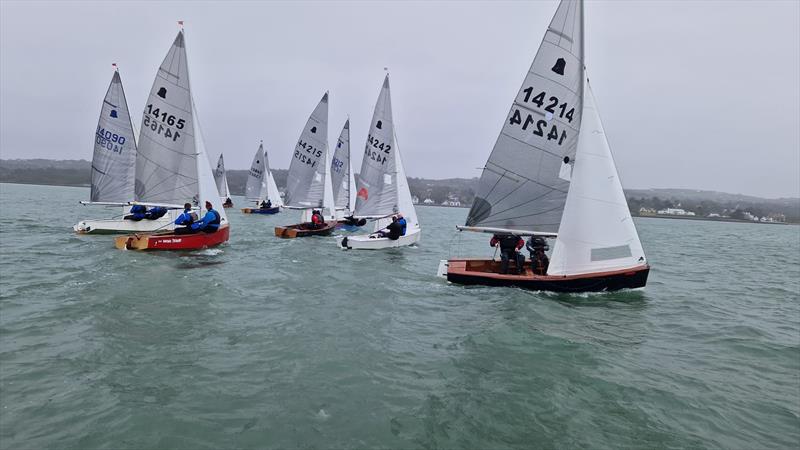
(185, 220)
(509, 250)
(228, 203)
(138, 212)
(266, 204)
(353, 222)
(393, 231)
(539, 261)
(317, 221)
(403, 224)
(210, 222)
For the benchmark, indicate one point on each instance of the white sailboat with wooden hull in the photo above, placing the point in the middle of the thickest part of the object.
(173, 166)
(551, 174)
(113, 168)
(383, 190)
(308, 184)
(257, 187)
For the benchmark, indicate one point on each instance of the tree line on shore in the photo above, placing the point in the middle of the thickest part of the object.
(461, 190)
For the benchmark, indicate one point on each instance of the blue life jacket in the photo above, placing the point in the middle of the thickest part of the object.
(402, 222)
(209, 222)
(185, 218)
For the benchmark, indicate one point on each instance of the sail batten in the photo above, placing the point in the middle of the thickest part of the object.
(536, 145)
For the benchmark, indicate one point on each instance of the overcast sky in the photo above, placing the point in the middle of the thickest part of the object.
(692, 94)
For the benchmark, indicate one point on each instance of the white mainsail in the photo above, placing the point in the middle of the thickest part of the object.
(307, 184)
(221, 179)
(256, 188)
(172, 166)
(382, 185)
(597, 232)
(342, 173)
(525, 181)
(114, 158)
(273, 194)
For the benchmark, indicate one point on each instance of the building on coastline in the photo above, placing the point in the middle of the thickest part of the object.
(675, 212)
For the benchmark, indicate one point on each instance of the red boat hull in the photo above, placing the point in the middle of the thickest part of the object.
(171, 241)
(487, 273)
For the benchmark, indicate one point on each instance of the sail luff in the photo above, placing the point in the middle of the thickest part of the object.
(526, 178)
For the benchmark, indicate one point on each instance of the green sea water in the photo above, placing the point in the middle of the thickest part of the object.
(268, 343)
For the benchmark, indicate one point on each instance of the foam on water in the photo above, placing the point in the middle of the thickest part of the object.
(266, 342)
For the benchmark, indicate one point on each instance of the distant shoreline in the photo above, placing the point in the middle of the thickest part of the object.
(711, 219)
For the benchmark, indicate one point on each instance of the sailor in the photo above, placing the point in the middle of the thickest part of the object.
(228, 202)
(266, 204)
(393, 231)
(138, 212)
(403, 224)
(317, 221)
(210, 222)
(185, 220)
(509, 250)
(155, 212)
(539, 261)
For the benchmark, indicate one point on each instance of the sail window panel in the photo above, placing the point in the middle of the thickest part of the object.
(607, 253)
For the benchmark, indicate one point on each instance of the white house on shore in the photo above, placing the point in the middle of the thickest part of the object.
(675, 212)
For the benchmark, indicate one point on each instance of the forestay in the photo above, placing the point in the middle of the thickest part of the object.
(525, 181)
(256, 188)
(305, 185)
(114, 158)
(376, 195)
(221, 179)
(166, 169)
(341, 171)
(272, 189)
(597, 233)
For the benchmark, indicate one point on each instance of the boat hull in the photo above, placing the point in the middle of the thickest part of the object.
(273, 210)
(487, 273)
(365, 242)
(172, 241)
(300, 230)
(119, 226)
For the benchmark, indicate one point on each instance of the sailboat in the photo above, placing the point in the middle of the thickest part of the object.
(343, 181)
(383, 190)
(113, 167)
(551, 175)
(221, 178)
(173, 166)
(308, 185)
(256, 189)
